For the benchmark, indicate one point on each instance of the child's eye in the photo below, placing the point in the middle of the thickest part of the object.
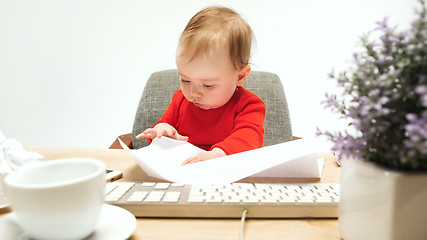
(208, 86)
(185, 81)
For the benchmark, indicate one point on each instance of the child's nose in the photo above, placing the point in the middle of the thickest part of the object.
(195, 93)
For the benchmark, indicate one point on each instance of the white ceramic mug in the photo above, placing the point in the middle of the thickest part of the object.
(58, 199)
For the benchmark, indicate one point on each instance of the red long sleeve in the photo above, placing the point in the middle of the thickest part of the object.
(235, 127)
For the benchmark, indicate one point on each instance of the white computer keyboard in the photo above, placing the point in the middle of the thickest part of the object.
(150, 199)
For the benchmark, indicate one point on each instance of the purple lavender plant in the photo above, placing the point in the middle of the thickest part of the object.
(385, 99)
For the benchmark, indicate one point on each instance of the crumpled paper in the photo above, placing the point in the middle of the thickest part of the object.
(13, 157)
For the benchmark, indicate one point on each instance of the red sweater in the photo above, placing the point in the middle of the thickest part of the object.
(235, 127)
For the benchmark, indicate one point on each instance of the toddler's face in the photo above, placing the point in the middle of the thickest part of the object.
(208, 82)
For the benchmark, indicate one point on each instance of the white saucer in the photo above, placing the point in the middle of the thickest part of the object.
(115, 223)
(3, 202)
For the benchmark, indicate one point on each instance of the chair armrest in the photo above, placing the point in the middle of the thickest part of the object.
(126, 139)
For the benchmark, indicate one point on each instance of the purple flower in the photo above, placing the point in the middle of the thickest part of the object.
(416, 130)
(384, 98)
(422, 89)
(423, 100)
(382, 24)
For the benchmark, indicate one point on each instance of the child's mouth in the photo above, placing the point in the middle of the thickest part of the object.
(199, 105)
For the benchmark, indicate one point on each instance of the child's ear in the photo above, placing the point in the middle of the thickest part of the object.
(243, 75)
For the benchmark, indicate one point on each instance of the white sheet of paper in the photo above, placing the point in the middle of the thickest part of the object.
(163, 157)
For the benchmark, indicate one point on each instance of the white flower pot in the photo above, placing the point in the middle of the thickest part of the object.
(378, 204)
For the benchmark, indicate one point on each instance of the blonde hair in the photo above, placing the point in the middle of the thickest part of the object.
(216, 27)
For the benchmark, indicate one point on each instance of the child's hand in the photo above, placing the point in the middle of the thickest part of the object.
(214, 153)
(162, 129)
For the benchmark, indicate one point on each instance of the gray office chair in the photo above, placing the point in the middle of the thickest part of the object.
(161, 85)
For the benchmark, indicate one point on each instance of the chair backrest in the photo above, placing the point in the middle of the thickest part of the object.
(161, 85)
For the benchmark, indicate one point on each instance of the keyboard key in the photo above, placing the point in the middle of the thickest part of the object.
(213, 201)
(171, 197)
(148, 184)
(232, 200)
(269, 201)
(292, 187)
(137, 196)
(262, 186)
(311, 194)
(177, 185)
(287, 200)
(196, 200)
(112, 198)
(154, 196)
(109, 188)
(305, 200)
(161, 186)
(324, 200)
(250, 200)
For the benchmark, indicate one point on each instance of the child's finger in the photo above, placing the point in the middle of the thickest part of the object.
(180, 137)
(188, 161)
(148, 130)
(159, 133)
(141, 135)
(148, 133)
(192, 160)
(170, 132)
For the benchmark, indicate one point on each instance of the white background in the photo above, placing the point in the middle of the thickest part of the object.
(72, 72)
